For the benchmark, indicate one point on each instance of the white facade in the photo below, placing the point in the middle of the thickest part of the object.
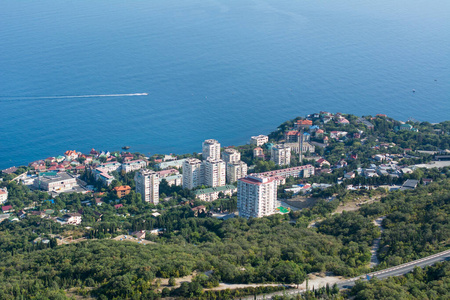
(214, 172)
(259, 140)
(256, 196)
(72, 219)
(192, 173)
(3, 195)
(110, 166)
(134, 165)
(176, 180)
(211, 194)
(60, 182)
(295, 147)
(231, 155)
(281, 155)
(147, 184)
(236, 170)
(211, 149)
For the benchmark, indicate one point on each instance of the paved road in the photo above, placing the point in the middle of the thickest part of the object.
(400, 269)
(394, 271)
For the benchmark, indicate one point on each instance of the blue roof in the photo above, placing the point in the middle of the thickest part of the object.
(306, 133)
(314, 127)
(50, 200)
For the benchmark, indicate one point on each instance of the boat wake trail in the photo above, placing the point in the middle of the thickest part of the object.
(9, 98)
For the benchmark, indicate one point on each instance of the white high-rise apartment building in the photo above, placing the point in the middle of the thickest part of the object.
(230, 155)
(214, 172)
(256, 196)
(192, 173)
(259, 140)
(211, 148)
(281, 155)
(147, 184)
(236, 170)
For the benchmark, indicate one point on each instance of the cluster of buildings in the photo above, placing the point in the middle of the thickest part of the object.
(215, 169)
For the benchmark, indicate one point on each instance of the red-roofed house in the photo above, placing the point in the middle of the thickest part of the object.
(50, 159)
(7, 209)
(322, 162)
(94, 152)
(258, 152)
(117, 206)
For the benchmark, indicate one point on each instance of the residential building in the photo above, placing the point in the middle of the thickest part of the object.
(306, 146)
(192, 173)
(102, 175)
(279, 180)
(55, 182)
(71, 155)
(349, 175)
(303, 124)
(365, 122)
(139, 234)
(259, 140)
(292, 136)
(231, 155)
(72, 219)
(322, 161)
(256, 196)
(409, 184)
(258, 152)
(147, 184)
(211, 194)
(133, 165)
(337, 134)
(211, 149)
(110, 166)
(3, 195)
(167, 173)
(281, 155)
(300, 171)
(122, 190)
(7, 209)
(176, 180)
(236, 170)
(9, 170)
(178, 164)
(214, 173)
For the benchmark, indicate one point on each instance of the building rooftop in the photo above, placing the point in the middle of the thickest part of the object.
(215, 189)
(49, 177)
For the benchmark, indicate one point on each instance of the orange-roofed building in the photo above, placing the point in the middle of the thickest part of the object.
(304, 123)
(71, 154)
(122, 190)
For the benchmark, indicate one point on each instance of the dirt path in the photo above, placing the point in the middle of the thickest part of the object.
(376, 243)
(355, 205)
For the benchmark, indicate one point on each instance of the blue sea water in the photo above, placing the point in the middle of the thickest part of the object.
(223, 69)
